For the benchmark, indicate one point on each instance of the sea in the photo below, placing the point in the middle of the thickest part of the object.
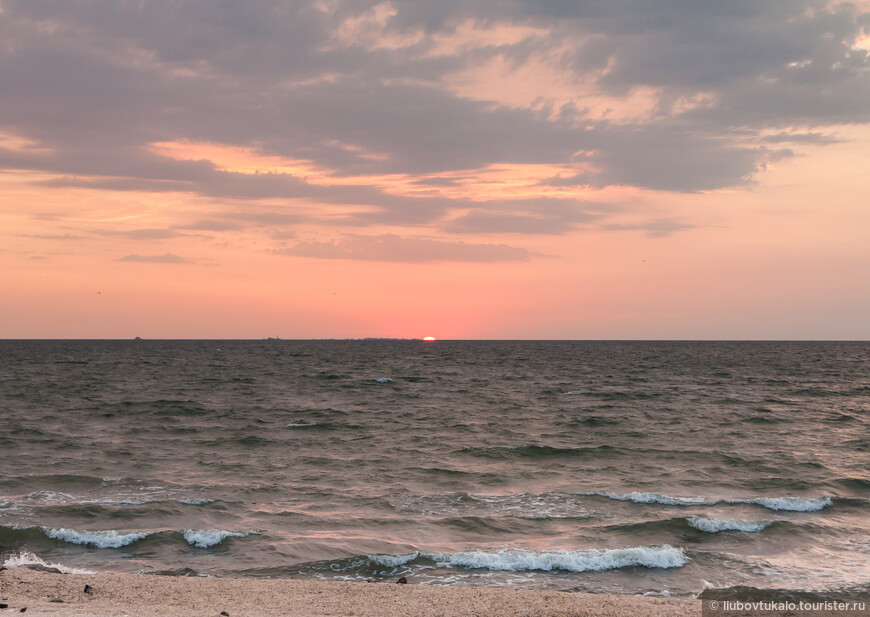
(686, 469)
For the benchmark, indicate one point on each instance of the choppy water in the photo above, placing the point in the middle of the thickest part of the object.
(620, 467)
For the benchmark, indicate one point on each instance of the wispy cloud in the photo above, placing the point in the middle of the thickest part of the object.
(166, 258)
(658, 228)
(394, 248)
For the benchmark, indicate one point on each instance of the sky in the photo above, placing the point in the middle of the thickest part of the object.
(463, 169)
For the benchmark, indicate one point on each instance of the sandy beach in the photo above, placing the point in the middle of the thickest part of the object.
(48, 593)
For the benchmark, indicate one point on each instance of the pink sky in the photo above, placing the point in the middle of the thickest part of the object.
(320, 170)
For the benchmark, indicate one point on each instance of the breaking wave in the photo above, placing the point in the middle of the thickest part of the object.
(204, 538)
(792, 504)
(714, 525)
(26, 558)
(664, 556)
(99, 539)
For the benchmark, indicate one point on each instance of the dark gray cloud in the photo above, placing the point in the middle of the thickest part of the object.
(166, 258)
(389, 247)
(95, 82)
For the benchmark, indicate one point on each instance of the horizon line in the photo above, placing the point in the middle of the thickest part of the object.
(437, 340)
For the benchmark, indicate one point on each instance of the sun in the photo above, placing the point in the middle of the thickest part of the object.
(428, 338)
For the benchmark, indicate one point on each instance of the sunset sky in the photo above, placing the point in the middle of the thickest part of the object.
(532, 169)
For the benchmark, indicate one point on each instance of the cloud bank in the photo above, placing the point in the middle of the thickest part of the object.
(468, 117)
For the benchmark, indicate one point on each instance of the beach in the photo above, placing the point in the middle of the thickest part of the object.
(135, 594)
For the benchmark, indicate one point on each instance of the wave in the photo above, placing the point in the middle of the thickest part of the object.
(26, 558)
(592, 560)
(383, 380)
(57, 498)
(54, 479)
(322, 426)
(204, 538)
(536, 452)
(791, 504)
(596, 421)
(99, 539)
(687, 527)
(529, 506)
(714, 525)
(659, 498)
(394, 561)
(664, 556)
(201, 538)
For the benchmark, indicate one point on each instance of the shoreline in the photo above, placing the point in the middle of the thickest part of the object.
(44, 592)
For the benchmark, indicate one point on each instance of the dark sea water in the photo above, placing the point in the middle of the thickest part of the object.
(676, 468)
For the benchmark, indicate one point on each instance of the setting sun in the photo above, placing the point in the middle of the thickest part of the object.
(428, 338)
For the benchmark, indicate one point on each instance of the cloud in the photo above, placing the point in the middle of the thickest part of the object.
(166, 258)
(800, 138)
(490, 222)
(394, 248)
(657, 228)
(142, 234)
(545, 216)
(211, 225)
(661, 95)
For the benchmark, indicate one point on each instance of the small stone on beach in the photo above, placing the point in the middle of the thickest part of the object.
(225, 614)
(402, 581)
(88, 589)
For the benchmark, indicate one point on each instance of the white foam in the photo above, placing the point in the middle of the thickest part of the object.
(793, 504)
(572, 393)
(51, 497)
(383, 380)
(300, 424)
(659, 498)
(394, 561)
(713, 525)
(195, 502)
(205, 538)
(664, 556)
(26, 558)
(100, 539)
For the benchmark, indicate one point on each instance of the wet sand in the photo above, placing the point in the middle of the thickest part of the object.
(164, 596)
